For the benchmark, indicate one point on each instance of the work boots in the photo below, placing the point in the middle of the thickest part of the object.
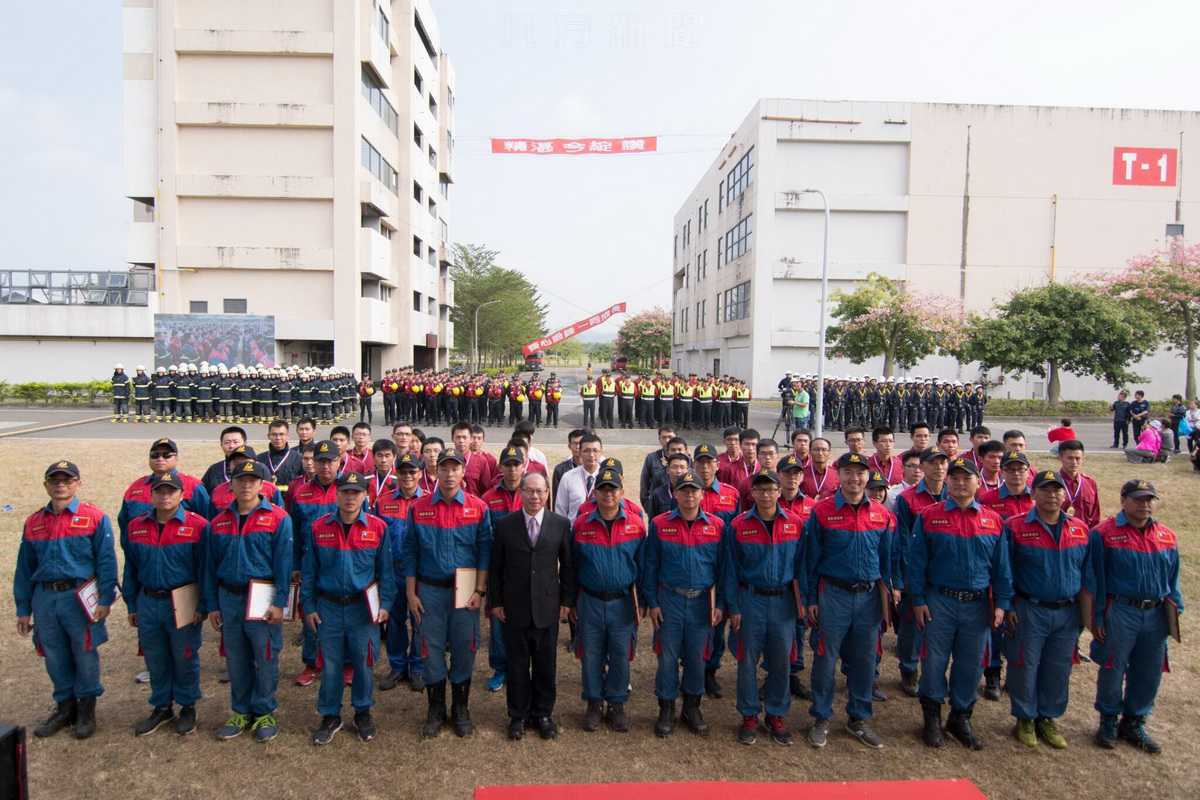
(63, 716)
(931, 733)
(692, 717)
(1133, 730)
(991, 683)
(958, 725)
(591, 717)
(460, 713)
(85, 718)
(665, 724)
(436, 717)
(712, 687)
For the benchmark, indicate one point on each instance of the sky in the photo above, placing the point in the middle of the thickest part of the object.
(592, 231)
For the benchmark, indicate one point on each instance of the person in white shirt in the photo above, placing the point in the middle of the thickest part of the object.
(912, 476)
(578, 484)
(525, 429)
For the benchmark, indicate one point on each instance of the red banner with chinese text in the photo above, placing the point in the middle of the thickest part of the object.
(563, 334)
(575, 147)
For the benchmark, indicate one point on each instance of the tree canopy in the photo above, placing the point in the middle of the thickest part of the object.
(646, 337)
(504, 327)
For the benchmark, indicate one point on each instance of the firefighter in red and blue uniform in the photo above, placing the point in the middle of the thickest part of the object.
(909, 504)
(159, 558)
(799, 506)
(960, 578)
(1048, 553)
(720, 500)
(137, 498)
(762, 560)
(501, 501)
(847, 562)
(393, 507)
(256, 546)
(1135, 563)
(341, 560)
(222, 494)
(60, 551)
(448, 530)
(681, 565)
(608, 557)
(308, 503)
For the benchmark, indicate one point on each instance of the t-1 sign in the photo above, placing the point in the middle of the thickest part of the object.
(1144, 166)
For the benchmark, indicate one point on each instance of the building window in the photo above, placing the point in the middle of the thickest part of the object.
(739, 239)
(418, 246)
(720, 196)
(675, 247)
(683, 320)
(720, 307)
(143, 210)
(378, 166)
(431, 256)
(197, 306)
(382, 23)
(698, 255)
(444, 186)
(737, 302)
(418, 192)
(416, 301)
(431, 306)
(704, 313)
(739, 177)
(426, 42)
(706, 213)
(432, 208)
(432, 157)
(418, 81)
(373, 93)
(704, 264)
(418, 136)
(432, 105)
(234, 305)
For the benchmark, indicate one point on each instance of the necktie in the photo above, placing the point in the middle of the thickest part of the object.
(533, 531)
(590, 481)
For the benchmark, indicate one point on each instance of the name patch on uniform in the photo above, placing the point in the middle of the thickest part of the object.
(1030, 535)
(668, 531)
(389, 508)
(323, 535)
(1119, 538)
(835, 517)
(585, 534)
(426, 514)
(938, 521)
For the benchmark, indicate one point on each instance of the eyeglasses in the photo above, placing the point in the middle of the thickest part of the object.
(162, 454)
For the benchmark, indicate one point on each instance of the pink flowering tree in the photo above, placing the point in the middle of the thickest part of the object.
(644, 338)
(1165, 284)
(882, 317)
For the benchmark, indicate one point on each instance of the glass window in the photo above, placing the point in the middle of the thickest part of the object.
(418, 246)
(418, 136)
(416, 301)
(418, 81)
(739, 177)
(738, 240)
(197, 306)
(235, 305)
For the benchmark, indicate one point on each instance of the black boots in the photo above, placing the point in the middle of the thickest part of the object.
(931, 733)
(958, 725)
(436, 718)
(991, 683)
(591, 717)
(63, 716)
(665, 724)
(460, 714)
(1133, 730)
(692, 717)
(85, 718)
(712, 687)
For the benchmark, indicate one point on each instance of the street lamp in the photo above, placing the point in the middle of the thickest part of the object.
(819, 400)
(475, 334)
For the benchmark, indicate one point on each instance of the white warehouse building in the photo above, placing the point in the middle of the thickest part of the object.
(966, 201)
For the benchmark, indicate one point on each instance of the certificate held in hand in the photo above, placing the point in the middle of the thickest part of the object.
(184, 600)
(88, 596)
(260, 596)
(371, 595)
(464, 585)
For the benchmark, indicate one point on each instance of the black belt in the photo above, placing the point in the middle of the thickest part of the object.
(1047, 603)
(60, 586)
(443, 583)
(856, 586)
(766, 591)
(1137, 602)
(159, 593)
(229, 587)
(962, 595)
(340, 599)
(604, 595)
(690, 594)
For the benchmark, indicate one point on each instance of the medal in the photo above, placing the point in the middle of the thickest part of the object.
(1071, 511)
(1072, 497)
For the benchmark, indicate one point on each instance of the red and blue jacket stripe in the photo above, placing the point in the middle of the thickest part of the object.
(392, 507)
(446, 535)
(501, 502)
(1005, 503)
(851, 543)
(166, 557)
(720, 500)
(344, 562)
(608, 561)
(761, 554)
(309, 501)
(74, 545)
(139, 500)
(222, 496)
(261, 548)
(681, 554)
(909, 503)
(1142, 564)
(1049, 562)
(631, 508)
(962, 548)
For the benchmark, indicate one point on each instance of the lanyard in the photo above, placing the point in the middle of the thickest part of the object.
(813, 473)
(1078, 488)
(271, 462)
(996, 485)
(890, 470)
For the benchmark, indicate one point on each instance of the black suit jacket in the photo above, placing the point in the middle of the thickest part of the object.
(530, 583)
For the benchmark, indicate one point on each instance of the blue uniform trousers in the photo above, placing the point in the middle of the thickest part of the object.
(908, 638)
(685, 634)
(768, 631)
(1132, 658)
(497, 659)
(1040, 655)
(172, 654)
(346, 634)
(442, 623)
(252, 656)
(62, 633)
(961, 630)
(713, 662)
(847, 627)
(403, 654)
(604, 645)
(797, 665)
(999, 644)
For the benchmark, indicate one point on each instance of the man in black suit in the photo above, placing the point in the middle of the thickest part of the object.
(531, 584)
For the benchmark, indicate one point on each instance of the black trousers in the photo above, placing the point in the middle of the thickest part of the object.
(532, 655)
(1121, 433)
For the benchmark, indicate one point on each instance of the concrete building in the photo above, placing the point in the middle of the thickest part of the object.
(1046, 194)
(284, 159)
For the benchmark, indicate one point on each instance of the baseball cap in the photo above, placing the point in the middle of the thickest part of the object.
(1138, 489)
(851, 460)
(703, 451)
(164, 444)
(876, 481)
(352, 480)
(63, 468)
(765, 476)
(451, 455)
(687, 479)
(408, 461)
(252, 468)
(789, 463)
(169, 479)
(609, 477)
(963, 465)
(512, 455)
(245, 451)
(1049, 476)
(613, 464)
(1014, 457)
(327, 451)
(930, 453)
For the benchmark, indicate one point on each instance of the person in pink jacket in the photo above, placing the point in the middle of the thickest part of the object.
(1148, 445)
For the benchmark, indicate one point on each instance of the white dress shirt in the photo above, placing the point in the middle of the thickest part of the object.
(572, 491)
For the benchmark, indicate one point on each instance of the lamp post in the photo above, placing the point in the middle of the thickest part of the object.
(475, 334)
(819, 400)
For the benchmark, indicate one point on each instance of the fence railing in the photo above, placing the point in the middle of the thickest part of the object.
(76, 287)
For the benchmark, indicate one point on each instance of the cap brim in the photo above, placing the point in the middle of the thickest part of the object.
(1142, 493)
(66, 472)
(353, 487)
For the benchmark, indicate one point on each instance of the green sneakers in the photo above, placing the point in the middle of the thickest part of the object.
(1026, 733)
(1048, 730)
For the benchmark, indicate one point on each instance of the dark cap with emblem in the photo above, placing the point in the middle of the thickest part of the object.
(170, 479)
(703, 451)
(1138, 489)
(688, 479)
(851, 460)
(245, 451)
(614, 464)
(877, 481)
(512, 455)
(1014, 457)
(451, 455)
(1047, 478)
(352, 480)
(765, 476)
(964, 465)
(62, 468)
(790, 463)
(409, 461)
(250, 468)
(609, 477)
(930, 453)
(164, 444)
(327, 450)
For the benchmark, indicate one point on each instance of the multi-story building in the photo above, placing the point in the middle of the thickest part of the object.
(965, 201)
(295, 160)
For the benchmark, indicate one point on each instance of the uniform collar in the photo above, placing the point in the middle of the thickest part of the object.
(72, 506)
(595, 515)
(840, 500)
(949, 504)
(263, 505)
(674, 514)
(1004, 492)
(459, 498)
(921, 487)
(780, 513)
(179, 516)
(1123, 521)
(361, 519)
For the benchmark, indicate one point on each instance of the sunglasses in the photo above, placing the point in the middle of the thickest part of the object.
(162, 454)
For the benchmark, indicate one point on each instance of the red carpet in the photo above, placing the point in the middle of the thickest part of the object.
(720, 790)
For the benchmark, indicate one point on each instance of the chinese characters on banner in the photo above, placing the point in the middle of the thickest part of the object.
(573, 330)
(575, 147)
(1144, 166)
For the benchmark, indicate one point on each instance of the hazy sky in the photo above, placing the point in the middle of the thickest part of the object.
(593, 231)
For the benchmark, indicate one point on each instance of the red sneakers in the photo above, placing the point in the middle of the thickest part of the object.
(306, 676)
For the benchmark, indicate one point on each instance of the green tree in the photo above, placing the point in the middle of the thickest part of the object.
(504, 327)
(599, 352)
(1058, 328)
(1165, 284)
(881, 317)
(645, 337)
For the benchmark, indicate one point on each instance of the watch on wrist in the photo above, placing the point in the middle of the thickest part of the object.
(481, 593)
